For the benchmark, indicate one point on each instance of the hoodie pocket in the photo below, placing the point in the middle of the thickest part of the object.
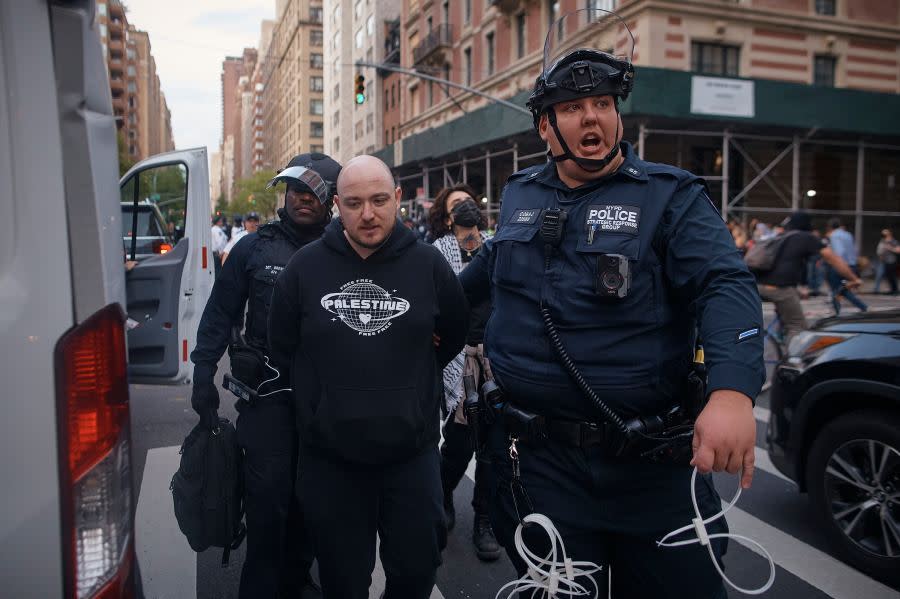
(371, 425)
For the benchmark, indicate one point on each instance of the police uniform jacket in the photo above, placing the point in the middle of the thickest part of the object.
(247, 277)
(635, 352)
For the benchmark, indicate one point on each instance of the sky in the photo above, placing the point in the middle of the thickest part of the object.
(189, 40)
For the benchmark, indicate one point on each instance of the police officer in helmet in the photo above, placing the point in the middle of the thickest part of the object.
(604, 272)
(278, 554)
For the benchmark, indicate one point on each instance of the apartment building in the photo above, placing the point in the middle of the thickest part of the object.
(809, 115)
(355, 30)
(293, 83)
(139, 105)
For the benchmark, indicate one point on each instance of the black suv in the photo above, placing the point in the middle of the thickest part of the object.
(835, 430)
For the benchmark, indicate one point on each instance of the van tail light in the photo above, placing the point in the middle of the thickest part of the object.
(95, 459)
(161, 247)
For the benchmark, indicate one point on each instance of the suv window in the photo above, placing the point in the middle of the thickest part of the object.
(154, 207)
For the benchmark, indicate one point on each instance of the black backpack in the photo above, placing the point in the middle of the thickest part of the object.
(207, 489)
(763, 255)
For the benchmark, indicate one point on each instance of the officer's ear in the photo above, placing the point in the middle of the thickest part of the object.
(544, 126)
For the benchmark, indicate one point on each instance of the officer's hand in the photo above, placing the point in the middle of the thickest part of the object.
(209, 419)
(725, 435)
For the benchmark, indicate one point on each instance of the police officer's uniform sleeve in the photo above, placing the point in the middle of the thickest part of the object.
(284, 317)
(476, 277)
(223, 309)
(452, 320)
(706, 270)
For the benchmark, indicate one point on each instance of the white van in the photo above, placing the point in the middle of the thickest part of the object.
(66, 527)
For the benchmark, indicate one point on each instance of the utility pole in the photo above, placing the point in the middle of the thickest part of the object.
(414, 73)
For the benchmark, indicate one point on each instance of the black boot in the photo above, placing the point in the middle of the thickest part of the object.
(449, 510)
(486, 546)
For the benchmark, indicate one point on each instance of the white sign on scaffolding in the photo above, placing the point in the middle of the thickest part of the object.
(722, 97)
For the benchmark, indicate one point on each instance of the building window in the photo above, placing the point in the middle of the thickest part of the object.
(101, 8)
(131, 71)
(447, 77)
(468, 57)
(359, 38)
(431, 93)
(489, 38)
(715, 59)
(823, 70)
(370, 123)
(316, 107)
(316, 84)
(370, 25)
(520, 35)
(357, 9)
(336, 67)
(316, 148)
(445, 12)
(393, 97)
(315, 14)
(336, 118)
(825, 7)
(336, 41)
(358, 130)
(337, 91)
(316, 129)
(316, 61)
(387, 100)
(103, 31)
(337, 144)
(467, 13)
(315, 37)
(336, 15)
(132, 87)
(601, 4)
(429, 24)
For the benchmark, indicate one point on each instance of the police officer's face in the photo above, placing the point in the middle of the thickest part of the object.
(303, 207)
(589, 127)
(251, 226)
(368, 203)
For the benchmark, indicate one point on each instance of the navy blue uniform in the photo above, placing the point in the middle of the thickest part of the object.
(635, 352)
(279, 551)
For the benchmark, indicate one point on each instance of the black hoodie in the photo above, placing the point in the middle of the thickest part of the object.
(356, 336)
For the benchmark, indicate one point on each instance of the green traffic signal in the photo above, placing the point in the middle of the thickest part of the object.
(360, 82)
(360, 98)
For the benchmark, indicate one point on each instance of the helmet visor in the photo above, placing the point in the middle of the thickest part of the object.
(590, 29)
(303, 177)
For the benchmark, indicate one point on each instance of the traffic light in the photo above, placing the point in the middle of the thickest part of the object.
(360, 88)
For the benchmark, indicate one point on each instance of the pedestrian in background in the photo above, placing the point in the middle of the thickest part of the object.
(887, 250)
(842, 244)
(219, 241)
(365, 320)
(456, 221)
(251, 224)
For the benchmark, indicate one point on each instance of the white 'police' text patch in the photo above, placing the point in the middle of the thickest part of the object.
(613, 219)
(525, 216)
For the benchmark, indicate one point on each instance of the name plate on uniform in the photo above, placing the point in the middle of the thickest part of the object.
(613, 218)
(525, 216)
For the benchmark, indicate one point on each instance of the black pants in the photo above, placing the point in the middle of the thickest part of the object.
(610, 512)
(346, 505)
(456, 453)
(279, 550)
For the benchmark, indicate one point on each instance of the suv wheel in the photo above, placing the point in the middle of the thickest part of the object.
(853, 477)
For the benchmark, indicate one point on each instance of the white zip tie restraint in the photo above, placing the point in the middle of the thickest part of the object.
(554, 575)
(698, 524)
(274, 378)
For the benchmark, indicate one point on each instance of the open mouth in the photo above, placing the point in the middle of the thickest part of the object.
(590, 143)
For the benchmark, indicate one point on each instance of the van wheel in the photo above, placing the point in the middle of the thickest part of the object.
(853, 477)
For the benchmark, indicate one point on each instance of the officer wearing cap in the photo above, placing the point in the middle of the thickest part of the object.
(604, 271)
(278, 554)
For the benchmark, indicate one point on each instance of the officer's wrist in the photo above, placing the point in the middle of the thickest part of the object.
(730, 396)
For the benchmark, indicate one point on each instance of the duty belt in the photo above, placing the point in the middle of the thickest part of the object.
(533, 429)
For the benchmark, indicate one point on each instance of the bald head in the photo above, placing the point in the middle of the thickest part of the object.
(367, 171)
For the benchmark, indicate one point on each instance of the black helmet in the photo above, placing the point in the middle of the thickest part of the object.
(252, 216)
(313, 172)
(581, 73)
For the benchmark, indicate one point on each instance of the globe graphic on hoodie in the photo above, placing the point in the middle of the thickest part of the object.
(364, 306)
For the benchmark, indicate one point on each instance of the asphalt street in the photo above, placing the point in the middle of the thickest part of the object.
(772, 512)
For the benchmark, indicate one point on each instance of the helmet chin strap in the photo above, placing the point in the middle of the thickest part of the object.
(589, 164)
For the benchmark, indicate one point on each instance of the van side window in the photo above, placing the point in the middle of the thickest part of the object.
(154, 209)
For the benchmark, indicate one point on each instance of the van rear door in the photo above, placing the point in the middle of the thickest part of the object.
(165, 199)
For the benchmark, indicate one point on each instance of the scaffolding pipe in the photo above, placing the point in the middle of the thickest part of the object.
(642, 135)
(860, 190)
(515, 158)
(795, 176)
(425, 182)
(487, 181)
(726, 144)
